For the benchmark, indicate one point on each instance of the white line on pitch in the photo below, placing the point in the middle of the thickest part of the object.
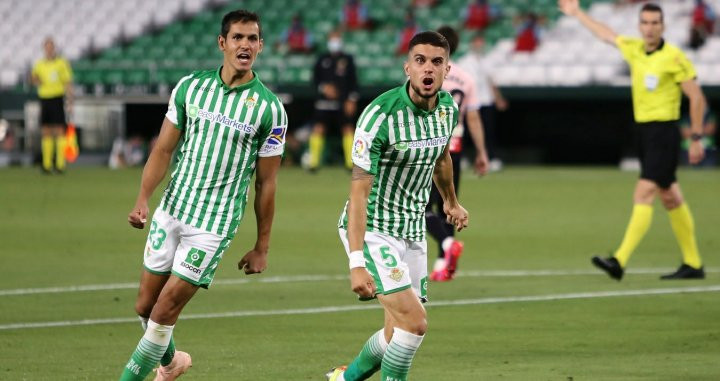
(321, 278)
(347, 308)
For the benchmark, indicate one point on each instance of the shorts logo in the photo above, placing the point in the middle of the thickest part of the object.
(396, 274)
(277, 136)
(195, 257)
(192, 111)
(402, 146)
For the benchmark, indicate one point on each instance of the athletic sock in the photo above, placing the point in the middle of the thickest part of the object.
(47, 147)
(684, 227)
(148, 352)
(636, 229)
(347, 142)
(316, 146)
(398, 357)
(369, 359)
(60, 143)
(169, 352)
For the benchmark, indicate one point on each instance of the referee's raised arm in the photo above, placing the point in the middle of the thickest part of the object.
(572, 8)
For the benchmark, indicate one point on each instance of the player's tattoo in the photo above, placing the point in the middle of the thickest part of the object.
(361, 174)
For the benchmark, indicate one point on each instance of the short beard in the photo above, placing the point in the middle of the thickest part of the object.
(419, 92)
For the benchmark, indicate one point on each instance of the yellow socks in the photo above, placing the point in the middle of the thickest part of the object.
(636, 229)
(684, 228)
(47, 145)
(347, 142)
(60, 143)
(316, 145)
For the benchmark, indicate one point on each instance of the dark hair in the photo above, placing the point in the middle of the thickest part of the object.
(430, 38)
(451, 36)
(652, 7)
(240, 15)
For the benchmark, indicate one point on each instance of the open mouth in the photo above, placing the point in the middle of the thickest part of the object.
(243, 57)
(427, 83)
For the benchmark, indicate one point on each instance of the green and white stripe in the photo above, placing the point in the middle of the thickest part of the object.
(399, 144)
(224, 130)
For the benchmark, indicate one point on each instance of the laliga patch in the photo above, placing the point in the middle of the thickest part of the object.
(651, 82)
(396, 274)
(360, 148)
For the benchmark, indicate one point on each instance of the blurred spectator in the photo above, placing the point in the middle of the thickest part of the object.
(489, 96)
(708, 140)
(53, 77)
(354, 15)
(296, 38)
(423, 3)
(703, 23)
(406, 34)
(335, 78)
(479, 14)
(529, 33)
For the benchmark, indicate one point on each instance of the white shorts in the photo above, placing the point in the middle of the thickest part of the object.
(189, 253)
(395, 263)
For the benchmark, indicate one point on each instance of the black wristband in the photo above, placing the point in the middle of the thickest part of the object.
(696, 137)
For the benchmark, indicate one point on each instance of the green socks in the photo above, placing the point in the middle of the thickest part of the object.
(148, 352)
(368, 361)
(398, 357)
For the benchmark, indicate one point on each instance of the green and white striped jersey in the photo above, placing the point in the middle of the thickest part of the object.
(399, 143)
(225, 130)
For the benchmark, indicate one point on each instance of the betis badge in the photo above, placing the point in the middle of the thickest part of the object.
(396, 274)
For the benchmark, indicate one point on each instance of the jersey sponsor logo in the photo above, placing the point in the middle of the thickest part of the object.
(277, 136)
(224, 120)
(418, 144)
(193, 260)
(192, 111)
(410, 124)
(207, 89)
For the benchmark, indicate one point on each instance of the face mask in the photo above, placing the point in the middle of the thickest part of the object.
(334, 45)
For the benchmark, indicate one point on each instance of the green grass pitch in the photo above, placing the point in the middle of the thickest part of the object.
(527, 305)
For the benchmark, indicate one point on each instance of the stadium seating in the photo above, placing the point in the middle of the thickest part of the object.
(154, 43)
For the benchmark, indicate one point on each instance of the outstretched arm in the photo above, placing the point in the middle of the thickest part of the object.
(572, 8)
(697, 110)
(443, 177)
(154, 171)
(255, 261)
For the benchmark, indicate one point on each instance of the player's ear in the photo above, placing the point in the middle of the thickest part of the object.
(405, 67)
(221, 42)
(261, 45)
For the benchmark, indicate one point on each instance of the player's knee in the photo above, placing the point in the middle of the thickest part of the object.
(670, 200)
(143, 308)
(418, 327)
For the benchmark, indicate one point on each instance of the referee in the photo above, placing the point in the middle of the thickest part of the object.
(52, 76)
(659, 72)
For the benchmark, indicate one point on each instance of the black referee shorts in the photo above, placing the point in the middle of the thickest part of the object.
(659, 149)
(52, 111)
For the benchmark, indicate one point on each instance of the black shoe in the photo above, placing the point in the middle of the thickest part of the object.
(610, 265)
(45, 171)
(685, 272)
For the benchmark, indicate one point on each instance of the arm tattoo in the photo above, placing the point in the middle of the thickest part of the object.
(361, 174)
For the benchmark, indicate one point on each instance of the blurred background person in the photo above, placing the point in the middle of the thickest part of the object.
(708, 140)
(529, 32)
(53, 77)
(409, 29)
(354, 15)
(490, 98)
(335, 79)
(460, 84)
(703, 23)
(296, 38)
(479, 14)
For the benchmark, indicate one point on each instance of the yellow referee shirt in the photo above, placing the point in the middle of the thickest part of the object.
(656, 79)
(54, 75)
